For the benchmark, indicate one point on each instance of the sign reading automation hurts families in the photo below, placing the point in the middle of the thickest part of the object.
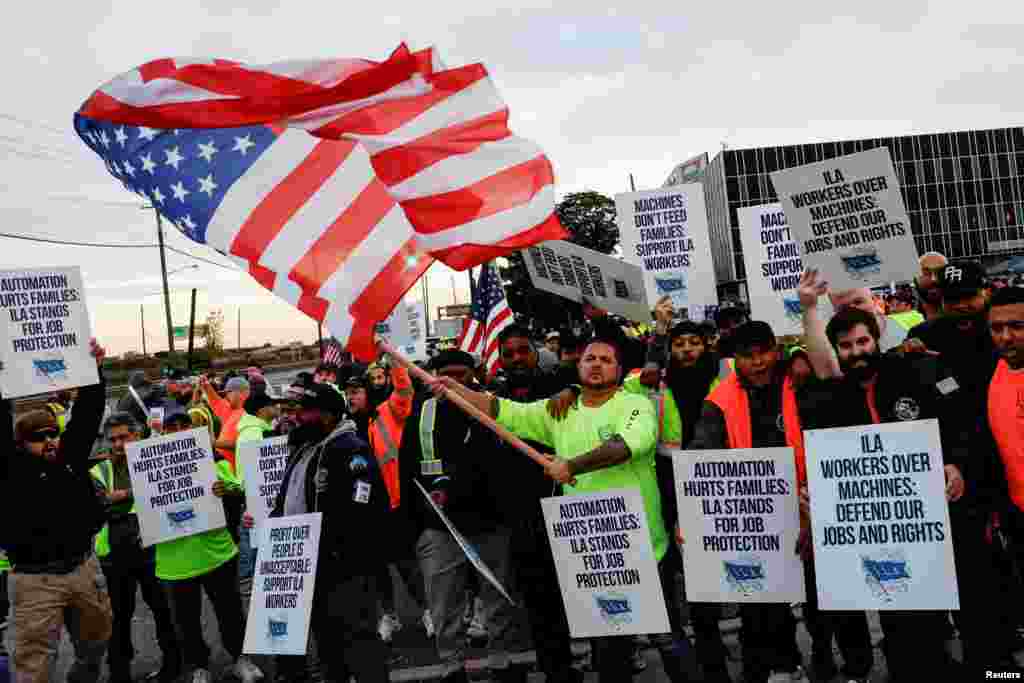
(848, 218)
(46, 335)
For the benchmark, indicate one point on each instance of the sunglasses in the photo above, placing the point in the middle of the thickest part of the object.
(43, 435)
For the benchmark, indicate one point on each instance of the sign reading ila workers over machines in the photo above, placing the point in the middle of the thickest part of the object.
(46, 332)
(605, 562)
(848, 217)
(738, 512)
(172, 479)
(283, 585)
(665, 232)
(879, 518)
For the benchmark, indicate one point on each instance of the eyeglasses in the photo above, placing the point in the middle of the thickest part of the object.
(43, 435)
(1015, 326)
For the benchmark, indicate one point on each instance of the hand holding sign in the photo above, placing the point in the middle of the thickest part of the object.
(811, 288)
(664, 313)
(954, 483)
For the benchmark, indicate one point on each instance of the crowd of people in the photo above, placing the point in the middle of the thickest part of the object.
(607, 406)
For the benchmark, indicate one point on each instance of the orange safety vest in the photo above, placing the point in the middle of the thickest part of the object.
(1004, 420)
(731, 399)
(385, 439)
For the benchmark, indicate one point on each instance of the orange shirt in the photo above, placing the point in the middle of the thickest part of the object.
(1006, 420)
(228, 424)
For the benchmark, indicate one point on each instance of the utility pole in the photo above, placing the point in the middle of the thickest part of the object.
(191, 330)
(426, 301)
(167, 292)
(142, 325)
(632, 184)
(320, 337)
(239, 327)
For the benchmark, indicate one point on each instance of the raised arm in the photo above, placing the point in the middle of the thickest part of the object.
(401, 398)
(77, 440)
(819, 351)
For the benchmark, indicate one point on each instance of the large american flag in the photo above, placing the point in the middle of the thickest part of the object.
(489, 315)
(334, 183)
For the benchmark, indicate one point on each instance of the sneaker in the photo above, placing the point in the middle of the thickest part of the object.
(200, 676)
(389, 623)
(246, 671)
(428, 623)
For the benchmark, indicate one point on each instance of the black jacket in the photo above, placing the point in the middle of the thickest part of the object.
(910, 388)
(51, 510)
(766, 425)
(351, 542)
(468, 451)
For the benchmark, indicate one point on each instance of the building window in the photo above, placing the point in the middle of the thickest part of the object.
(931, 196)
(909, 173)
(922, 244)
(964, 144)
(753, 188)
(732, 188)
(988, 191)
(910, 198)
(907, 149)
(949, 194)
(730, 164)
(982, 144)
(927, 151)
(970, 193)
(966, 168)
(985, 166)
(1017, 138)
(947, 169)
(789, 157)
(953, 218)
(1003, 165)
(1006, 187)
(749, 161)
(956, 246)
(929, 171)
(945, 144)
(848, 147)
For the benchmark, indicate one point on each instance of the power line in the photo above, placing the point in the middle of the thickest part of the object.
(104, 245)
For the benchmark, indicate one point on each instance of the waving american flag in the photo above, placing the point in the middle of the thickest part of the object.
(334, 183)
(489, 315)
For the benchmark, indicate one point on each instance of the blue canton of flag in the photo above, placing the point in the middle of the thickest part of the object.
(184, 173)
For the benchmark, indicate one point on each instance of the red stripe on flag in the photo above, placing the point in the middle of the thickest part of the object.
(158, 68)
(385, 117)
(478, 335)
(507, 189)
(346, 233)
(382, 294)
(464, 257)
(264, 276)
(398, 163)
(284, 201)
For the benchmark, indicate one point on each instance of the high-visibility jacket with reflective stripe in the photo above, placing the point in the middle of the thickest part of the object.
(385, 431)
(59, 414)
(670, 425)
(907, 320)
(103, 472)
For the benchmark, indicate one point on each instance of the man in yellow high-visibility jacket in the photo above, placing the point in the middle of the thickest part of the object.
(127, 565)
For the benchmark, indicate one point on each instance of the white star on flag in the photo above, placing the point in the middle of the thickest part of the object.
(207, 151)
(243, 144)
(158, 196)
(179, 191)
(121, 136)
(105, 139)
(129, 169)
(207, 185)
(173, 157)
(147, 163)
(147, 133)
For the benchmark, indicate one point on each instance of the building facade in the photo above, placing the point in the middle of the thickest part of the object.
(964, 192)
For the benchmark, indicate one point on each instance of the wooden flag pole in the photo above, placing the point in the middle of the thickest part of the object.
(469, 408)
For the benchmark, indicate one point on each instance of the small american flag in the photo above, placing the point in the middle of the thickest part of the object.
(332, 353)
(334, 183)
(489, 315)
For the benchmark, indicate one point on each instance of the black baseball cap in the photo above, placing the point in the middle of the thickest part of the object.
(751, 334)
(323, 397)
(356, 382)
(962, 280)
(452, 357)
(257, 401)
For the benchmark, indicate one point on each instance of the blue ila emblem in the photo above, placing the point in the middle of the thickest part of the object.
(745, 575)
(862, 262)
(886, 573)
(792, 308)
(670, 285)
(616, 609)
(277, 627)
(181, 519)
(51, 368)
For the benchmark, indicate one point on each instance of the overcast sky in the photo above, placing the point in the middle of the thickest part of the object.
(635, 88)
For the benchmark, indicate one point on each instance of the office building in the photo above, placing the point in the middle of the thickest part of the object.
(964, 192)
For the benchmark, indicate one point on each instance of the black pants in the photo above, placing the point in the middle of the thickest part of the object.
(344, 621)
(769, 641)
(707, 631)
(677, 655)
(537, 580)
(850, 630)
(408, 568)
(915, 645)
(124, 577)
(221, 586)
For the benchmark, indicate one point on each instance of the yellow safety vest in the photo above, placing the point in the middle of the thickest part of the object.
(103, 472)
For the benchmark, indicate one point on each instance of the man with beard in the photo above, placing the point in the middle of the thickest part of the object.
(525, 484)
(927, 284)
(878, 388)
(332, 471)
(606, 441)
(451, 456)
(755, 407)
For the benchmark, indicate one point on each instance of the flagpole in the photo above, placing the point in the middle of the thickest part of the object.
(468, 408)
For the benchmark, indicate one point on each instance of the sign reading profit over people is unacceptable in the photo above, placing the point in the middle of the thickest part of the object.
(848, 217)
(605, 562)
(738, 513)
(46, 332)
(879, 518)
(665, 232)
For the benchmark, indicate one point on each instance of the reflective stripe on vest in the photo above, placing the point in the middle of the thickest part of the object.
(429, 464)
(59, 414)
(390, 449)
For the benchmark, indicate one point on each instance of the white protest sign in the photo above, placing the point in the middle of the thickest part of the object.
(172, 481)
(47, 332)
(471, 552)
(578, 273)
(263, 464)
(605, 562)
(879, 518)
(283, 586)
(740, 519)
(665, 232)
(774, 267)
(406, 329)
(848, 218)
